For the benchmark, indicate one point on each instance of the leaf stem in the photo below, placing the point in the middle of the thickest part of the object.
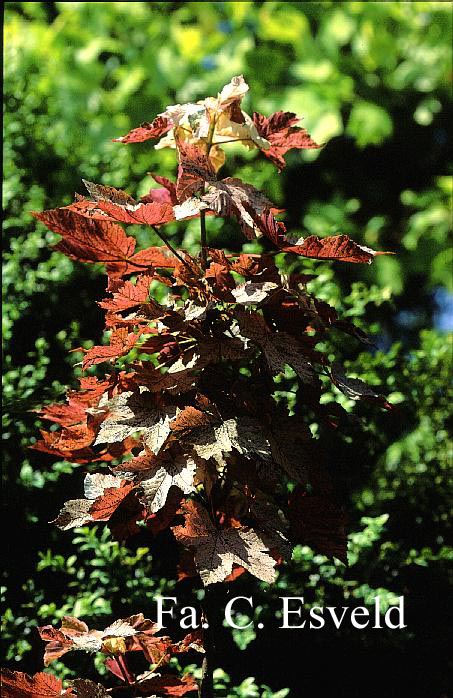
(203, 236)
(233, 140)
(203, 240)
(170, 246)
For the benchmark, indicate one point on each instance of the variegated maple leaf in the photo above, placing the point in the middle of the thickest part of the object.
(210, 431)
(243, 434)
(336, 247)
(227, 197)
(157, 480)
(218, 119)
(137, 412)
(279, 348)
(103, 496)
(127, 634)
(218, 549)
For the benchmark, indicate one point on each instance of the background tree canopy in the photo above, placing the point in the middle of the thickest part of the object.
(372, 81)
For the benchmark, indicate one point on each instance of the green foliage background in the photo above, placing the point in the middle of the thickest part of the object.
(373, 81)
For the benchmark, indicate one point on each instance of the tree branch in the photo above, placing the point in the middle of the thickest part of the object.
(211, 616)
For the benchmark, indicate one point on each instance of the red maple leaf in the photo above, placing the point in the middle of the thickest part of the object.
(337, 247)
(147, 131)
(281, 133)
(103, 507)
(16, 684)
(155, 213)
(99, 241)
(318, 522)
(65, 415)
(168, 685)
(126, 294)
(121, 342)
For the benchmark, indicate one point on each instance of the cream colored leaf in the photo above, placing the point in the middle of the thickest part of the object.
(192, 122)
(190, 207)
(251, 293)
(245, 435)
(236, 89)
(217, 157)
(95, 484)
(228, 196)
(120, 628)
(227, 130)
(218, 549)
(191, 116)
(157, 482)
(74, 513)
(132, 413)
(89, 642)
(194, 311)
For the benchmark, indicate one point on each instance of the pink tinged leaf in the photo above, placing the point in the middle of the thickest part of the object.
(119, 668)
(162, 195)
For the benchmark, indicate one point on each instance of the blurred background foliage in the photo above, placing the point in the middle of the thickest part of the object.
(372, 81)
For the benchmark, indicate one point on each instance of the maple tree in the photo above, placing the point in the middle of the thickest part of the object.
(187, 425)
